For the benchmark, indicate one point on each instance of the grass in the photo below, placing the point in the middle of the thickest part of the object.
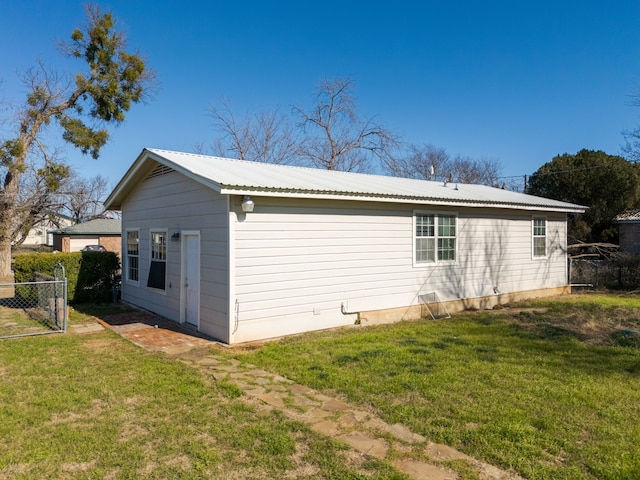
(551, 389)
(16, 321)
(96, 406)
(552, 392)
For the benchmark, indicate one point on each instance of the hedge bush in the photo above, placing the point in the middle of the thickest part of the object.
(90, 275)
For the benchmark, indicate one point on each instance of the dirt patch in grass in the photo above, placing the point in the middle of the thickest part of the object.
(598, 326)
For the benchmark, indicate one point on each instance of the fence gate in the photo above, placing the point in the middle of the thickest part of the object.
(34, 308)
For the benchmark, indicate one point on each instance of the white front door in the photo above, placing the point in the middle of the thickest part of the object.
(191, 277)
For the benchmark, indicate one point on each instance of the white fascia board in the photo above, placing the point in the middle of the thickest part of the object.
(387, 199)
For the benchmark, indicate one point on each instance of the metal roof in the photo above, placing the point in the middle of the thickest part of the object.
(99, 226)
(253, 178)
(630, 216)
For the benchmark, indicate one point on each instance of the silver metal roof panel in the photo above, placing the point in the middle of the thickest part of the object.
(253, 178)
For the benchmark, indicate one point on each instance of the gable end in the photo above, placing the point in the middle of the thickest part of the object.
(159, 171)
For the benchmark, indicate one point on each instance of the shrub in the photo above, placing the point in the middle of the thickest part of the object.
(90, 275)
(97, 277)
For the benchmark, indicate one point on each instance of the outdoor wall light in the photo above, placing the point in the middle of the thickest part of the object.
(175, 236)
(247, 204)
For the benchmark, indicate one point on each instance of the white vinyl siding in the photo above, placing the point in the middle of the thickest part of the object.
(299, 262)
(174, 203)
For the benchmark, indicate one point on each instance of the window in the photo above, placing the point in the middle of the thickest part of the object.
(539, 237)
(446, 238)
(435, 238)
(133, 256)
(157, 269)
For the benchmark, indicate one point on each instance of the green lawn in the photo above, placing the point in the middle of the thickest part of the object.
(554, 393)
(96, 406)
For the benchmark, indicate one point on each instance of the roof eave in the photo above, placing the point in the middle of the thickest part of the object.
(235, 190)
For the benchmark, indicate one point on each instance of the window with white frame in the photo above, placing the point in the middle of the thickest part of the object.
(539, 237)
(133, 256)
(435, 238)
(158, 266)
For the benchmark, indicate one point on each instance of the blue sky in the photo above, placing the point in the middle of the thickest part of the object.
(517, 81)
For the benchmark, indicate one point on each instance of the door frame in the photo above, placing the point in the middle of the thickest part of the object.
(183, 274)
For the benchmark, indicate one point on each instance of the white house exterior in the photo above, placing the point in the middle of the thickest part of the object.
(40, 233)
(323, 249)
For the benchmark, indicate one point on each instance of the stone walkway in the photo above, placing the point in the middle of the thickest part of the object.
(362, 431)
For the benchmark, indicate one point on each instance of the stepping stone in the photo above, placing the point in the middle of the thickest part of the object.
(348, 420)
(403, 434)
(244, 385)
(300, 389)
(374, 447)
(279, 379)
(314, 415)
(441, 452)
(334, 405)
(262, 381)
(208, 361)
(272, 398)
(278, 388)
(227, 368)
(327, 428)
(303, 401)
(424, 471)
(255, 392)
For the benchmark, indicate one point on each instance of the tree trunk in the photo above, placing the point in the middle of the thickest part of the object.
(6, 213)
(6, 274)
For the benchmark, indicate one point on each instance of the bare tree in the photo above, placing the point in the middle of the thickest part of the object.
(38, 200)
(264, 137)
(425, 162)
(631, 148)
(335, 137)
(84, 197)
(485, 171)
(429, 162)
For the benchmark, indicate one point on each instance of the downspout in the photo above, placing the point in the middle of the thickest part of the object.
(343, 309)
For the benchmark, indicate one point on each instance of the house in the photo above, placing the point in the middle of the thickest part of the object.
(40, 233)
(101, 231)
(245, 251)
(629, 231)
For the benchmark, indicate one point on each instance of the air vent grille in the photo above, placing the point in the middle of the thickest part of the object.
(160, 170)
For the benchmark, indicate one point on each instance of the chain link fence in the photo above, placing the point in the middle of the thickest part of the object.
(619, 273)
(34, 308)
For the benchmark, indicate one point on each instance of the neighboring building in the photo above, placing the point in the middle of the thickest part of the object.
(103, 231)
(40, 233)
(629, 231)
(247, 251)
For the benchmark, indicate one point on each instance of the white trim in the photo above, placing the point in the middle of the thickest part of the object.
(533, 237)
(231, 249)
(162, 291)
(226, 190)
(436, 214)
(183, 263)
(125, 250)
